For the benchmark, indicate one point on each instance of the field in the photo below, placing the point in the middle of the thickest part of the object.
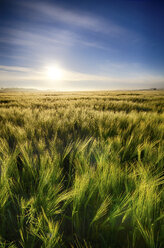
(82, 169)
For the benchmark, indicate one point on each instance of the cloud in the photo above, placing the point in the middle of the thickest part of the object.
(4, 68)
(125, 69)
(27, 77)
(43, 31)
(36, 46)
(53, 13)
(32, 36)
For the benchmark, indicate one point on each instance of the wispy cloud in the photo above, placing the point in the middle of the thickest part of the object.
(43, 32)
(39, 45)
(53, 13)
(48, 31)
(124, 69)
(25, 77)
(5, 68)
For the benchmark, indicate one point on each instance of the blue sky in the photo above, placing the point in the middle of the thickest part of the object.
(94, 44)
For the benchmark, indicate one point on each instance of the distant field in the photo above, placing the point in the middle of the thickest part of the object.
(82, 169)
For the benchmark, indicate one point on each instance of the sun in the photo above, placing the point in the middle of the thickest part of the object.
(54, 73)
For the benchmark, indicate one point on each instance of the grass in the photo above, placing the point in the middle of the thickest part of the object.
(82, 170)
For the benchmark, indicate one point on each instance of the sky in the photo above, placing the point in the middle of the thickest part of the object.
(82, 45)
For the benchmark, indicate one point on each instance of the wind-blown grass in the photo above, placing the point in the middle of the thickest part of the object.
(82, 170)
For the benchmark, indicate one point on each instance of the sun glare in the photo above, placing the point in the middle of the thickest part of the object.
(54, 73)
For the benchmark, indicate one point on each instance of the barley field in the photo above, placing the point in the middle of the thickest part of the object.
(82, 169)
